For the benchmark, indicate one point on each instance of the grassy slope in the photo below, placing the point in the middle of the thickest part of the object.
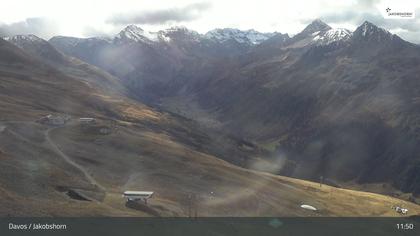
(138, 158)
(144, 153)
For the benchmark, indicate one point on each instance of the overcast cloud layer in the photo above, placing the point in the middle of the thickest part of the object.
(161, 16)
(81, 18)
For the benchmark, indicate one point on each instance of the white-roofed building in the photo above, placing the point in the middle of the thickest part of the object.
(138, 195)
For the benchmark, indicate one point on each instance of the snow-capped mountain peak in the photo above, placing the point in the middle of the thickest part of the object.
(136, 34)
(179, 33)
(370, 32)
(26, 38)
(133, 33)
(369, 29)
(332, 35)
(251, 37)
(180, 29)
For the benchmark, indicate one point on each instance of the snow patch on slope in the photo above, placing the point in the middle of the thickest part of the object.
(27, 38)
(331, 36)
(251, 37)
(136, 34)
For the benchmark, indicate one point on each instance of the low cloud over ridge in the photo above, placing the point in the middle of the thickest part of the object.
(40, 27)
(162, 16)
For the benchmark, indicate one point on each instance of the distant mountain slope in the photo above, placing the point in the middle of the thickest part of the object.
(45, 52)
(146, 149)
(346, 111)
(250, 37)
(22, 72)
(37, 46)
(148, 62)
(333, 103)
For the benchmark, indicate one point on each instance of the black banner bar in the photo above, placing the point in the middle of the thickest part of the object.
(262, 226)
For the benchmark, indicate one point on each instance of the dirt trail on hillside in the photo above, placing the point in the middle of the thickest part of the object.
(70, 161)
(3, 126)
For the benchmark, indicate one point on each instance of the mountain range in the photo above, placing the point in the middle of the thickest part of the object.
(296, 93)
(326, 103)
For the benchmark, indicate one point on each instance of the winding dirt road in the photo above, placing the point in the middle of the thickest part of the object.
(69, 160)
(55, 148)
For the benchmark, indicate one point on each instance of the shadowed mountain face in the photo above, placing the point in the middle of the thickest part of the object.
(325, 102)
(153, 63)
(76, 169)
(60, 169)
(34, 45)
(333, 103)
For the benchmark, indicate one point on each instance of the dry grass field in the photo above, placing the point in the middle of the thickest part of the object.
(75, 170)
(185, 181)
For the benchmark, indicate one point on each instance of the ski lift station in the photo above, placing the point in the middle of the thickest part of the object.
(87, 120)
(138, 195)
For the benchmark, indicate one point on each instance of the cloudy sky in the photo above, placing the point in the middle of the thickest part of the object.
(86, 18)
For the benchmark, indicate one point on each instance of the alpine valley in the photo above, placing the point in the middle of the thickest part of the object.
(248, 123)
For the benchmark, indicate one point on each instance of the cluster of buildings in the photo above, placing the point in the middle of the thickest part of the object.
(55, 120)
(63, 119)
(86, 122)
